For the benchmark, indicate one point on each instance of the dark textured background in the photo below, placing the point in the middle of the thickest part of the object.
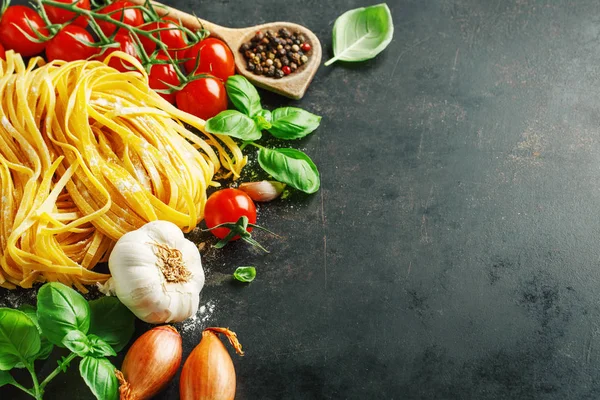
(452, 250)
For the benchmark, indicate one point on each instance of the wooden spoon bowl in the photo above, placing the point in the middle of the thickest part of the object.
(293, 85)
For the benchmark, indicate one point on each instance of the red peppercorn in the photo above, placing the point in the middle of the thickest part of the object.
(286, 70)
(305, 47)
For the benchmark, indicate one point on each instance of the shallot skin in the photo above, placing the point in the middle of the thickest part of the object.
(208, 372)
(151, 363)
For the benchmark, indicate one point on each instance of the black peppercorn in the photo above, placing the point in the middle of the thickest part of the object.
(275, 54)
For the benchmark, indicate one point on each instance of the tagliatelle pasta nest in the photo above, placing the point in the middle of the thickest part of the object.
(87, 154)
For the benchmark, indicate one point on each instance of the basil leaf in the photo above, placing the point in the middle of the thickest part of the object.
(362, 33)
(100, 348)
(233, 123)
(243, 95)
(99, 375)
(245, 274)
(19, 338)
(61, 310)
(290, 166)
(77, 342)
(292, 123)
(45, 346)
(6, 378)
(111, 321)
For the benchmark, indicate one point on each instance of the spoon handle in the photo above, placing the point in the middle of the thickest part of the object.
(192, 22)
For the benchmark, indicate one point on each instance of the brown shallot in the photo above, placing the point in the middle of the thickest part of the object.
(150, 363)
(208, 372)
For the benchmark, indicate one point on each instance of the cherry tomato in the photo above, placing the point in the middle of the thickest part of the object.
(12, 38)
(60, 16)
(67, 45)
(204, 97)
(215, 58)
(126, 45)
(228, 205)
(2, 52)
(173, 38)
(120, 11)
(161, 74)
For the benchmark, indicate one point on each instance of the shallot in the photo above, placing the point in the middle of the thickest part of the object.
(208, 373)
(150, 363)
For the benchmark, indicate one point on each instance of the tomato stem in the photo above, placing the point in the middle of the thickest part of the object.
(106, 17)
(239, 228)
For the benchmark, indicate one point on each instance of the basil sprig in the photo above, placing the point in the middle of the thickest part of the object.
(289, 166)
(362, 33)
(65, 319)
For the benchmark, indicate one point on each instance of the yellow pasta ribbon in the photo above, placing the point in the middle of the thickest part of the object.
(87, 154)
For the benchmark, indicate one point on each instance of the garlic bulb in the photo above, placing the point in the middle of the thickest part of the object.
(157, 273)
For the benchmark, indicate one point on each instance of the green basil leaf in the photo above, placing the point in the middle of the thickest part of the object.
(235, 124)
(6, 378)
(45, 346)
(19, 338)
(245, 274)
(61, 310)
(99, 375)
(100, 348)
(292, 123)
(362, 33)
(290, 166)
(78, 343)
(112, 321)
(243, 95)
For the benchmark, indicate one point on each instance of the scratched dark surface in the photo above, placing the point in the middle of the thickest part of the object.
(452, 251)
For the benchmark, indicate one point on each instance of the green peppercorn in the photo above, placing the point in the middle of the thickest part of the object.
(304, 59)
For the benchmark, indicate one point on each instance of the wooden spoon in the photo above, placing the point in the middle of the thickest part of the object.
(293, 85)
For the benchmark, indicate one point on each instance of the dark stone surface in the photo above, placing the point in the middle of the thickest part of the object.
(452, 250)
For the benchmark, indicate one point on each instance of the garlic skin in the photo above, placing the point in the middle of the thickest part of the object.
(157, 273)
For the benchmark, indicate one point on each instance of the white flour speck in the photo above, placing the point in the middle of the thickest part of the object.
(202, 318)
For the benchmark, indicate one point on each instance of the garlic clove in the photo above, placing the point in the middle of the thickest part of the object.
(263, 190)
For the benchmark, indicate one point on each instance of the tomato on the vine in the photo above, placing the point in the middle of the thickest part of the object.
(67, 44)
(172, 36)
(126, 45)
(2, 52)
(60, 16)
(204, 97)
(12, 38)
(120, 11)
(161, 74)
(214, 57)
(228, 205)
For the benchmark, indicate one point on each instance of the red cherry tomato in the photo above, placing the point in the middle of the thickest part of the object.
(161, 74)
(126, 45)
(173, 38)
(12, 38)
(67, 45)
(60, 16)
(228, 205)
(204, 97)
(215, 58)
(2, 52)
(120, 11)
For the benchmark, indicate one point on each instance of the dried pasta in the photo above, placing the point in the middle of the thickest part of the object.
(87, 154)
